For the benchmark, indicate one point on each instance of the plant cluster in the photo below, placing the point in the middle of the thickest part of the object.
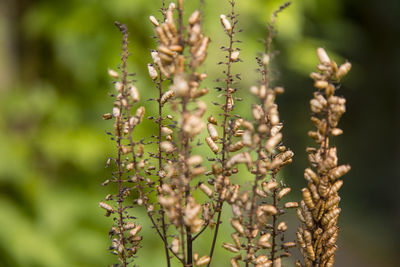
(164, 181)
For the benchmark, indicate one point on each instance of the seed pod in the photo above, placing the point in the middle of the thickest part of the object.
(277, 262)
(113, 74)
(230, 104)
(212, 131)
(212, 120)
(135, 231)
(167, 147)
(166, 131)
(323, 56)
(152, 72)
(307, 198)
(175, 245)
(212, 145)
(332, 201)
(300, 239)
(257, 112)
(343, 70)
(238, 226)
(336, 186)
(116, 112)
(154, 21)
(225, 23)
(272, 142)
(107, 116)
(311, 176)
(167, 95)
(323, 187)
(290, 205)
(247, 138)
(230, 247)
(283, 192)
(330, 216)
(206, 190)
(336, 131)
(234, 263)
(282, 227)
(276, 129)
(269, 209)
(194, 17)
(339, 171)
(255, 90)
(269, 187)
(310, 252)
(279, 90)
(235, 55)
(130, 166)
(236, 146)
(307, 215)
(203, 260)
(235, 238)
(319, 210)
(180, 86)
(263, 240)
(134, 93)
(195, 160)
(107, 207)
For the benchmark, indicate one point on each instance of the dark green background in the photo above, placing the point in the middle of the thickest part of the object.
(54, 57)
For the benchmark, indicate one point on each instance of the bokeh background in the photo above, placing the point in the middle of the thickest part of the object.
(54, 88)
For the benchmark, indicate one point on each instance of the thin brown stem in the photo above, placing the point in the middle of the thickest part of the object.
(228, 95)
(160, 180)
(121, 198)
(274, 220)
(180, 23)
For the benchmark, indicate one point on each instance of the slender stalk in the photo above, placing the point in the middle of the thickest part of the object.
(228, 95)
(160, 180)
(274, 218)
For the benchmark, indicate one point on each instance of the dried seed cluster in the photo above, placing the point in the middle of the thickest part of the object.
(259, 234)
(319, 209)
(164, 182)
(127, 164)
(178, 167)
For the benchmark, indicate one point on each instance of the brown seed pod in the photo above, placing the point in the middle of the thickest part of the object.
(236, 146)
(212, 120)
(212, 131)
(307, 198)
(230, 247)
(290, 205)
(212, 145)
(330, 215)
(283, 192)
(238, 226)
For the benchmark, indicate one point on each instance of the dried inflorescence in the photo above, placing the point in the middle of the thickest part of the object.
(128, 162)
(164, 182)
(319, 209)
(258, 232)
(178, 167)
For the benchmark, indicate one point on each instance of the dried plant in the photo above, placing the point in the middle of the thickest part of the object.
(127, 174)
(163, 181)
(319, 209)
(256, 211)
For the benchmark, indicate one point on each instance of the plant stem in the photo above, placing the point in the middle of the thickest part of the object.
(224, 136)
(160, 180)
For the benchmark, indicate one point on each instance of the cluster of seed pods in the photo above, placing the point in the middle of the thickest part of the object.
(319, 209)
(258, 232)
(127, 164)
(181, 166)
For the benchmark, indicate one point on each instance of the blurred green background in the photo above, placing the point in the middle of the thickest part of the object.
(54, 88)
